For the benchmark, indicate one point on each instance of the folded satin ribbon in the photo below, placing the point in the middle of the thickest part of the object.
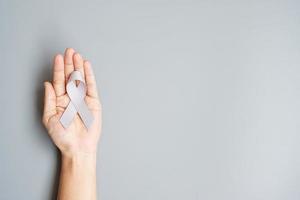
(77, 103)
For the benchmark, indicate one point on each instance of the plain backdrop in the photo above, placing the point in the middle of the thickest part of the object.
(200, 98)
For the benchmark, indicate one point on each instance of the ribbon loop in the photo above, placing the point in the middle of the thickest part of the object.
(77, 103)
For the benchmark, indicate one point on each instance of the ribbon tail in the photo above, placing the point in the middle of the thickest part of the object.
(68, 115)
(85, 114)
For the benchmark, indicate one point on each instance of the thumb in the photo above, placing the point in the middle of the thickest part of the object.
(49, 102)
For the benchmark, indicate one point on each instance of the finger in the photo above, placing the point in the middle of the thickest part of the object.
(68, 59)
(59, 75)
(78, 63)
(49, 102)
(90, 80)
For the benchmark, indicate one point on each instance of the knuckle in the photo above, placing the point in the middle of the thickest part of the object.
(58, 82)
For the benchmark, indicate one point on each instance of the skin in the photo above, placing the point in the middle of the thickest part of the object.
(78, 146)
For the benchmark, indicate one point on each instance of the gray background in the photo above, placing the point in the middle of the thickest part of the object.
(201, 98)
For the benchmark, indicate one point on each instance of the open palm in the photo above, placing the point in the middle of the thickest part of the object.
(76, 138)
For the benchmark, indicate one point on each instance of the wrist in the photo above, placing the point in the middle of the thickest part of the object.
(78, 157)
(75, 152)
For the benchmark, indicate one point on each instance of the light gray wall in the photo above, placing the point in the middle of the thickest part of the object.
(201, 98)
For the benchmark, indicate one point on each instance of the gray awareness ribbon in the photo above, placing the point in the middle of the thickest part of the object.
(77, 103)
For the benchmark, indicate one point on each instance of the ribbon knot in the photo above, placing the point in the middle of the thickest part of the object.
(77, 103)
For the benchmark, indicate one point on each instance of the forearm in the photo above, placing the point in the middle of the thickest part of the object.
(78, 177)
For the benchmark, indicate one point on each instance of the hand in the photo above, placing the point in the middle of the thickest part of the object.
(76, 139)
